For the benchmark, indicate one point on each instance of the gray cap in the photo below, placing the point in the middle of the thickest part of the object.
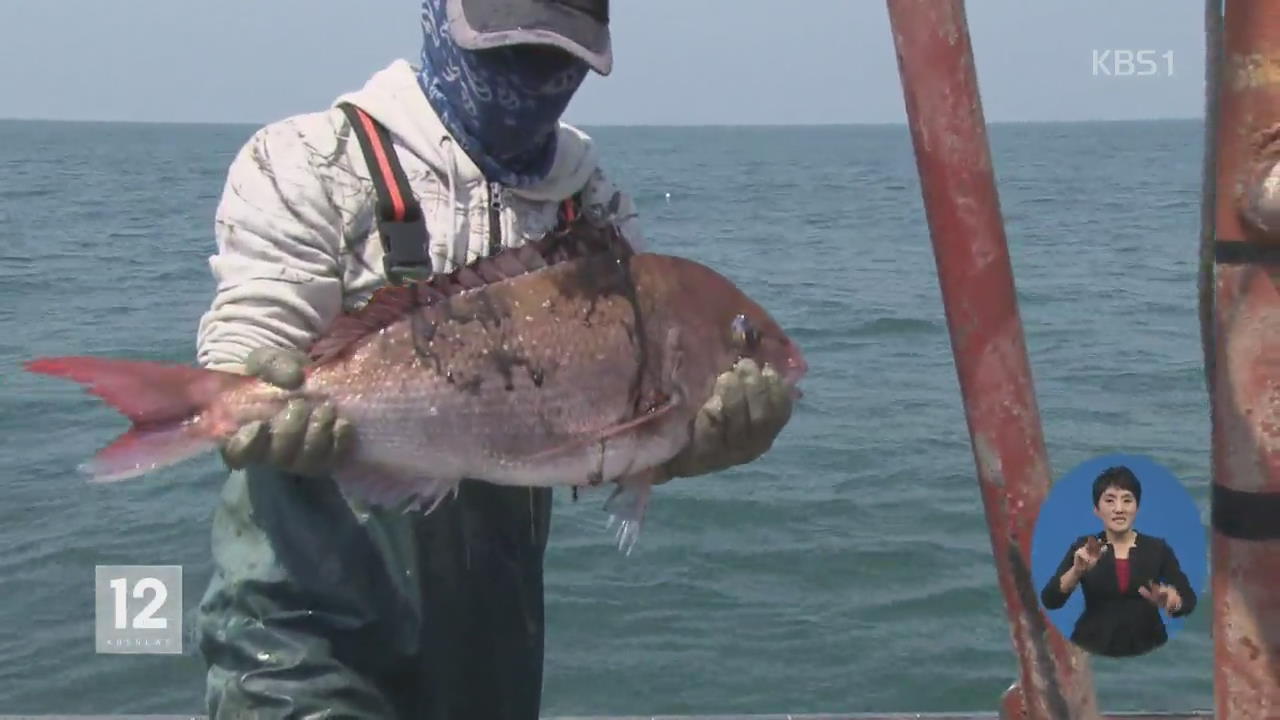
(580, 27)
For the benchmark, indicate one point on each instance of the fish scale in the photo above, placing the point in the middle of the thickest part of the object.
(477, 370)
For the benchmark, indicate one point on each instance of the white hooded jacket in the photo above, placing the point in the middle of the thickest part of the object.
(296, 237)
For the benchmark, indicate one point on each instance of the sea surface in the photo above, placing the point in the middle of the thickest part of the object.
(849, 570)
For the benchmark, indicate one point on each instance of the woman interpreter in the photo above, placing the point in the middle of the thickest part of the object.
(1127, 576)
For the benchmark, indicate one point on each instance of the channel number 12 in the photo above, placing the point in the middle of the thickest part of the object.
(143, 620)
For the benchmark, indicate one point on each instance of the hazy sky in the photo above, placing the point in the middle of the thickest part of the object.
(676, 61)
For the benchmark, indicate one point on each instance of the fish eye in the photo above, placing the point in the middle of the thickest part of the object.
(744, 334)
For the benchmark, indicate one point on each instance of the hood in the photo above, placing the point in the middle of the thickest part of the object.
(394, 98)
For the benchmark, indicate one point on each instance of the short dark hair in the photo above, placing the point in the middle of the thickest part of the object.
(1119, 477)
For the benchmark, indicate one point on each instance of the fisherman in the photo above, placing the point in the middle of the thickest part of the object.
(317, 604)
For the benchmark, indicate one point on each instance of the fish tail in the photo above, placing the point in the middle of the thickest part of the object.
(140, 451)
(164, 403)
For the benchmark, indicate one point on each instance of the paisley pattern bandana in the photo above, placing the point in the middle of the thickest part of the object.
(502, 105)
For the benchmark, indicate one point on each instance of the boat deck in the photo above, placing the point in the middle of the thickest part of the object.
(1202, 715)
(881, 716)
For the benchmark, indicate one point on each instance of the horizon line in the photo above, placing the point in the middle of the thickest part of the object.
(657, 125)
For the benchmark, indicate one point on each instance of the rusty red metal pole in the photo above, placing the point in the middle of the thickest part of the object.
(1245, 392)
(953, 158)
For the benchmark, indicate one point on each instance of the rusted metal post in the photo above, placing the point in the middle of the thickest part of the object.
(1209, 182)
(1245, 392)
(953, 158)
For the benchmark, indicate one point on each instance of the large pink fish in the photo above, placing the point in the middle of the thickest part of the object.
(580, 372)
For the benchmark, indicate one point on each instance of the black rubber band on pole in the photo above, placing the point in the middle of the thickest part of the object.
(1245, 515)
(1246, 252)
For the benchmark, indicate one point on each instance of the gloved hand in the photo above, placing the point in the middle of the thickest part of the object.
(747, 410)
(303, 438)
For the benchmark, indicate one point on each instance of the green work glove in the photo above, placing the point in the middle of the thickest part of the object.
(304, 438)
(747, 410)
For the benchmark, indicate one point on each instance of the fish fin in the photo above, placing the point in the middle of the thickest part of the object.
(628, 504)
(666, 406)
(389, 303)
(432, 500)
(390, 487)
(630, 499)
(669, 396)
(162, 401)
(672, 357)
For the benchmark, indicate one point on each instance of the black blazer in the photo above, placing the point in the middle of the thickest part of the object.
(1121, 624)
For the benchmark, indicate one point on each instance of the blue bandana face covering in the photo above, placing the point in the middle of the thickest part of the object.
(501, 105)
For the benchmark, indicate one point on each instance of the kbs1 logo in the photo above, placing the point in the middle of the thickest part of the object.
(1132, 63)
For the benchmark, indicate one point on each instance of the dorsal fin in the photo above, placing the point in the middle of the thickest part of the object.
(390, 303)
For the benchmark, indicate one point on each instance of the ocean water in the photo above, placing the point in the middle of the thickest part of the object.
(847, 570)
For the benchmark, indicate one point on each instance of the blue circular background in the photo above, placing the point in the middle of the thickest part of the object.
(1167, 511)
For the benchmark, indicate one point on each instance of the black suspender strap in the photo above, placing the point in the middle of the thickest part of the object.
(400, 222)
(1243, 252)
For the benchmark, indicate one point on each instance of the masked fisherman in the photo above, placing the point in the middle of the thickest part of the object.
(317, 605)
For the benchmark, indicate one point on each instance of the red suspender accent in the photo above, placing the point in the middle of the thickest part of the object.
(384, 166)
(399, 217)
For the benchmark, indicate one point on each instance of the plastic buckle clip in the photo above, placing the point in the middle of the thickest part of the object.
(404, 258)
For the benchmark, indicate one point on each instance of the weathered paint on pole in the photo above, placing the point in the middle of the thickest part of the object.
(1245, 391)
(953, 158)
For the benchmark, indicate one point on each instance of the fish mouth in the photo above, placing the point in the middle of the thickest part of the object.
(793, 376)
(793, 372)
(796, 367)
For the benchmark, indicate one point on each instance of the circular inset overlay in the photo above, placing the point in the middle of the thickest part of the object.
(1119, 555)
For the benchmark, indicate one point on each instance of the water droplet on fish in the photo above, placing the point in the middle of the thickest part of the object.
(433, 411)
